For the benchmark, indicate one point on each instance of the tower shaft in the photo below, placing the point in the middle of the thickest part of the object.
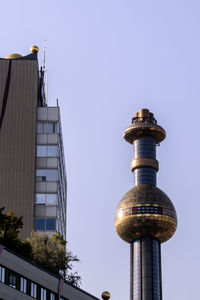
(146, 270)
(144, 157)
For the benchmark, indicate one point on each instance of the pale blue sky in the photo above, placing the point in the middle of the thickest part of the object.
(106, 60)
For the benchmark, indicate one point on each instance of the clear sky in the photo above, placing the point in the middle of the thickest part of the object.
(106, 60)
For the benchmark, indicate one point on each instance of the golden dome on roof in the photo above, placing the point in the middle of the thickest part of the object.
(13, 56)
(34, 49)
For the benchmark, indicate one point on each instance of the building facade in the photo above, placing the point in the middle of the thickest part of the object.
(22, 280)
(32, 166)
(145, 217)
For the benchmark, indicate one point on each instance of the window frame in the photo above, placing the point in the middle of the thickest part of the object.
(49, 175)
(33, 289)
(44, 199)
(45, 127)
(46, 225)
(23, 285)
(2, 274)
(13, 283)
(47, 151)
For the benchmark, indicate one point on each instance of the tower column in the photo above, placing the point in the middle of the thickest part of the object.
(145, 270)
(131, 271)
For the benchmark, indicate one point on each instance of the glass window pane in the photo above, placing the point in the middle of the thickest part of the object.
(50, 224)
(41, 151)
(46, 175)
(23, 285)
(39, 224)
(52, 151)
(12, 280)
(52, 297)
(52, 175)
(46, 127)
(43, 294)
(49, 128)
(40, 172)
(54, 128)
(33, 290)
(40, 175)
(2, 274)
(51, 199)
(39, 128)
(40, 198)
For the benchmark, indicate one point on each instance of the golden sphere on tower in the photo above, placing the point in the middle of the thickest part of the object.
(34, 49)
(145, 211)
(105, 295)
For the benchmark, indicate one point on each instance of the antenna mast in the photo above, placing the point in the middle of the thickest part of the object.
(45, 71)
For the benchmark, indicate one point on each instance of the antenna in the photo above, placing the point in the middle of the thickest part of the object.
(45, 72)
(44, 54)
(46, 96)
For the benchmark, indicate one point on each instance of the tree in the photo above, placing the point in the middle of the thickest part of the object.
(50, 253)
(10, 226)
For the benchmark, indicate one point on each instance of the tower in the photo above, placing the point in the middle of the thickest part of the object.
(145, 217)
(32, 167)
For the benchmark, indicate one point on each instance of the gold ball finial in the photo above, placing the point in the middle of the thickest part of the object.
(34, 49)
(105, 295)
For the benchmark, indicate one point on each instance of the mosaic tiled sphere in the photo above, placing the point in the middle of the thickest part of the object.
(145, 211)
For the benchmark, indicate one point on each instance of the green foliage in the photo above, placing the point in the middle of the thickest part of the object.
(10, 226)
(50, 253)
(74, 278)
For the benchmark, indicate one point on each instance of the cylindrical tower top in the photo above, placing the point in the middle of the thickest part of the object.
(145, 210)
(144, 125)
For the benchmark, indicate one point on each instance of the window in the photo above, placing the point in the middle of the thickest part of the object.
(47, 151)
(12, 280)
(2, 274)
(33, 290)
(23, 285)
(46, 175)
(39, 224)
(48, 199)
(40, 198)
(51, 199)
(52, 296)
(50, 224)
(52, 151)
(43, 294)
(50, 127)
(45, 224)
(41, 151)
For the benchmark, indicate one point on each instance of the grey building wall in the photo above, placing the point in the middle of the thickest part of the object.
(50, 172)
